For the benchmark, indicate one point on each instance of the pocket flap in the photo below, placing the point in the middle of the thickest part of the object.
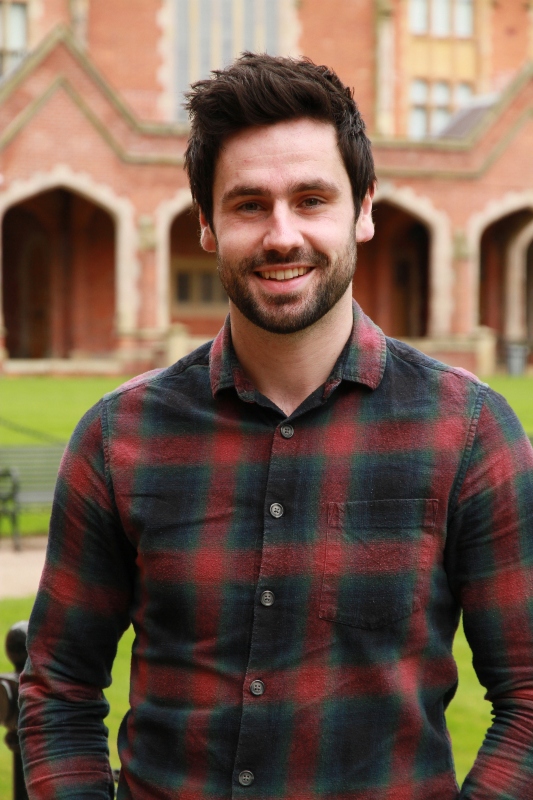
(375, 514)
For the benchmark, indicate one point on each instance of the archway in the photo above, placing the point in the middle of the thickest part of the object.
(392, 278)
(500, 282)
(197, 297)
(58, 277)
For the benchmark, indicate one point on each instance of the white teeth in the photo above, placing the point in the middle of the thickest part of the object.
(284, 274)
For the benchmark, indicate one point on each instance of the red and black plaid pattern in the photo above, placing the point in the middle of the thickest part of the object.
(294, 584)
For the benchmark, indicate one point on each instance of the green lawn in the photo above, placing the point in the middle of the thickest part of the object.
(51, 406)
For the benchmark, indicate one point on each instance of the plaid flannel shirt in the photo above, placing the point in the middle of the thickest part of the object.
(294, 584)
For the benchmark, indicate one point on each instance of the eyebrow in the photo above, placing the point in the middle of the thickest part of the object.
(243, 190)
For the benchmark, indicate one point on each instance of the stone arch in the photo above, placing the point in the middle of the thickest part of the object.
(516, 286)
(440, 252)
(120, 209)
(477, 225)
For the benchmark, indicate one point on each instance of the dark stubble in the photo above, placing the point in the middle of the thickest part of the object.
(288, 313)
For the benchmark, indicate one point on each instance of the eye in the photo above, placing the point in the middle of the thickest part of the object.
(250, 205)
(312, 202)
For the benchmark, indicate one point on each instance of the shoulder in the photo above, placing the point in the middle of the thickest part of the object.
(142, 395)
(419, 376)
(402, 352)
(457, 389)
(156, 378)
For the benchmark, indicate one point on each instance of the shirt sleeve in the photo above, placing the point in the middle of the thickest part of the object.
(81, 611)
(491, 535)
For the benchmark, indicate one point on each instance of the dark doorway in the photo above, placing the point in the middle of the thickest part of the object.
(494, 246)
(392, 278)
(58, 277)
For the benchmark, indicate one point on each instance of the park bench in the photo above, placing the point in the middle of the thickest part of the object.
(36, 468)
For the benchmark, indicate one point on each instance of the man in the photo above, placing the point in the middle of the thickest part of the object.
(292, 517)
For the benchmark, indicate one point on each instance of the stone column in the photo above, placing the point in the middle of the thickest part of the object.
(385, 68)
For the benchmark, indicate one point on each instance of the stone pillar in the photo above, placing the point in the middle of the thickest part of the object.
(142, 343)
(385, 68)
(466, 287)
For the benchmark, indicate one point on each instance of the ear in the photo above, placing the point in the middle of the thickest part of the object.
(364, 227)
(207, 237)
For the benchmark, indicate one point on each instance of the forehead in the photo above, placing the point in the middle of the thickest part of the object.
(274, 154)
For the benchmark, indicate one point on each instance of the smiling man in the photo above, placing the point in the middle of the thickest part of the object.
(293, 517)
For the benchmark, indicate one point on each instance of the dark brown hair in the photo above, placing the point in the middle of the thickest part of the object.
(262, 90)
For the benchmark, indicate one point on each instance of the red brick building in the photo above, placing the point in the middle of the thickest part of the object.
(100, 264)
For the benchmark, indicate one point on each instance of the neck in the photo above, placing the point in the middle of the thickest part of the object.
(287, 368)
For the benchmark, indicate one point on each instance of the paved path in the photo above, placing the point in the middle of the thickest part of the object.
(20, 570)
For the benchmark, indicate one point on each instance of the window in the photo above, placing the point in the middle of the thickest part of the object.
(210, 33)
(463, 94)
(198, 286)
(183, 285)
(442, 18)
(418, 116)
(432, 104)
(418, 16)
(440, 102)
(464, 18)
(13, 34)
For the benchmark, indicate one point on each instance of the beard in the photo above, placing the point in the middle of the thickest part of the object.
(295, 311)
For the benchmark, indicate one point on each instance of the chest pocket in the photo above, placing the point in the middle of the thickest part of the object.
(378, 559)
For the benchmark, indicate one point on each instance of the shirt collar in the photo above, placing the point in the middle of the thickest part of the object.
(361, 361)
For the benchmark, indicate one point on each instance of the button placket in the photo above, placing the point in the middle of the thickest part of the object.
(262, 653)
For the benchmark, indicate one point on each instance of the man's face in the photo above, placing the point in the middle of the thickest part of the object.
(284, 228)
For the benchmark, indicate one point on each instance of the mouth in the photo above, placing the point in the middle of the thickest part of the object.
(285, 274)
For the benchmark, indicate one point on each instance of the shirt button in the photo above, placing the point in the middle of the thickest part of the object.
(267, 598)
(287, 431)
(246, 777)
(276, 509)
(257, 688)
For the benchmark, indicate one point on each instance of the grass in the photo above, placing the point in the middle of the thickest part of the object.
(468, 716)
(48, 404)
(51, 406)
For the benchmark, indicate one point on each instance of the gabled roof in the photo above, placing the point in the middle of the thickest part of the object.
(132, 139)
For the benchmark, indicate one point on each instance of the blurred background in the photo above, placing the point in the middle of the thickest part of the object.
(101, 273)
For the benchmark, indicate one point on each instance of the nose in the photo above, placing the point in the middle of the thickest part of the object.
(283, 233)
